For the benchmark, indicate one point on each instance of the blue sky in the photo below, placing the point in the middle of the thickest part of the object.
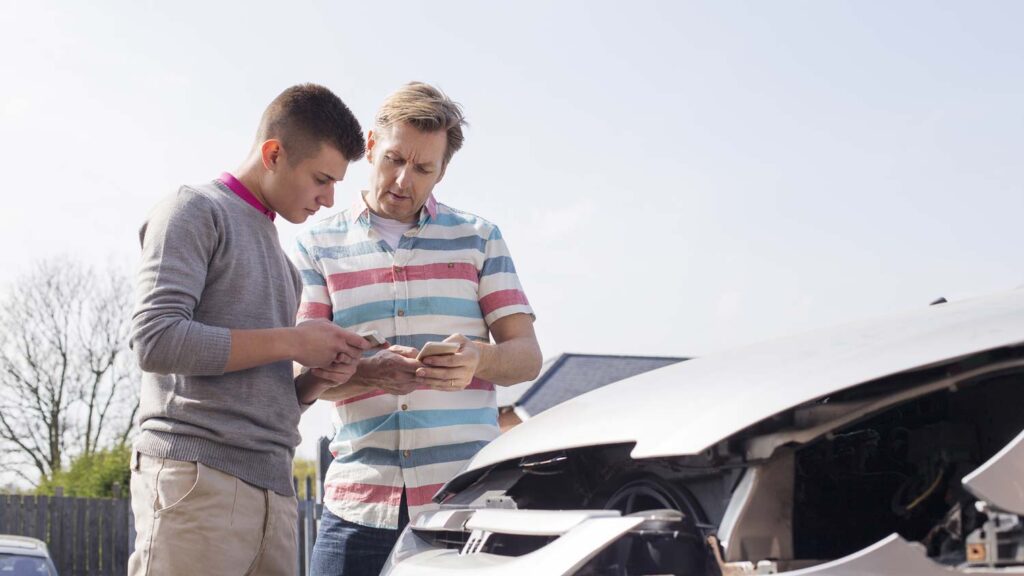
(672, 178)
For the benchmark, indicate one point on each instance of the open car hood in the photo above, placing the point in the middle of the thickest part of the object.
(687, 407)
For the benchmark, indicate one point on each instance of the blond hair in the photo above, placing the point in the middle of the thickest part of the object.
(426, 109)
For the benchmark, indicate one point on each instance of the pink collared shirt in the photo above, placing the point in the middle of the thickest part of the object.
(238, 188)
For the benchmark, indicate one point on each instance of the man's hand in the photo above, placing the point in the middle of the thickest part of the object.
(334, 374)
(392, 370)
(451, 372)
(312, 384)
(321, 343)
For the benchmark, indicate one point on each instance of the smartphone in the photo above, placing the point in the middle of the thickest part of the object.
(373, 337)
(437, 349)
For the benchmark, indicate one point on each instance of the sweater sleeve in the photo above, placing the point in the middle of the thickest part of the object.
(178, 241)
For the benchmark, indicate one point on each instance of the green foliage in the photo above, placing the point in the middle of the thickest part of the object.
(93, 475)
(301, 468)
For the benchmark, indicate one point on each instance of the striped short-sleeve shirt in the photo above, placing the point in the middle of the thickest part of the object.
(451, 273)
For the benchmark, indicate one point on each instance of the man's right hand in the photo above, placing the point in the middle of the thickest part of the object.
(392, 370)
(320, 343)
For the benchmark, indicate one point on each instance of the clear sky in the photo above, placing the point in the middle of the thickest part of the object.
(672, 178)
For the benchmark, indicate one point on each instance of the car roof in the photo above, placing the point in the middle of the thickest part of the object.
(677, 410)
(11, 544)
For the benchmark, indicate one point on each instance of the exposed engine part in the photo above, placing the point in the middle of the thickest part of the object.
(743, 568)
(900, 471)
(999, 541)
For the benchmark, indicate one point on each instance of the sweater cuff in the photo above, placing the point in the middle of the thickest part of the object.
(211, 356)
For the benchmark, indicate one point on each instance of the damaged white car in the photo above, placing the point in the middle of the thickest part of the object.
(885, 447)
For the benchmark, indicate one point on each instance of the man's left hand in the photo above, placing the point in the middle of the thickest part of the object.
(451, 372)
(335, 374)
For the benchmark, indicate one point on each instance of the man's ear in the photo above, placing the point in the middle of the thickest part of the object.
(371, 141)
(271, 154)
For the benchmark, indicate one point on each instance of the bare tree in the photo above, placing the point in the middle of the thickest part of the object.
(68, 385)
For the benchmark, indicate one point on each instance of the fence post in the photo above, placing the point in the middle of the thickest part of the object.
(42, 513)
(80, 537)
(323, 462)
(5, 503)
(124, 539)
(28, 519)
(300, 559)
(67, 537)
(309, 517)
(56, 506)
(107, 530)
(94, 539)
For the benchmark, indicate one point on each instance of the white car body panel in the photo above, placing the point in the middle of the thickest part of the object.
(1000, 480)
(583, 535)
(683, 409)
(759, 381)
(893, 555)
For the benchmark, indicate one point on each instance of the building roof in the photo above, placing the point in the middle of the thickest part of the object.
(569, 375)
(509, 395)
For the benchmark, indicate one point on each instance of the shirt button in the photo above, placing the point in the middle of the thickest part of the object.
(407, 453)
(401, 312)
(405, 406)
(451, 265)
(398, 269)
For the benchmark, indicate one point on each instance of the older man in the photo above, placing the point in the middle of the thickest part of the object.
(416, 271)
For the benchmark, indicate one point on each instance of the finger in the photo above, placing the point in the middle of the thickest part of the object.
(456, 338)
(441, 374)
(445, 360)
(356, 341)
(355, 353)
(328, 376)
(449, 385)
(405, 351)
(403, 364)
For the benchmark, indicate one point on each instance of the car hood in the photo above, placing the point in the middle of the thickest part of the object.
(687, 407)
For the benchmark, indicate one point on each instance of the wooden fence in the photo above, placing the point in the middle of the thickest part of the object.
(95, 536)
(86, 536)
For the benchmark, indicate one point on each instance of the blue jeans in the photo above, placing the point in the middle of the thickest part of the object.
(345, 548)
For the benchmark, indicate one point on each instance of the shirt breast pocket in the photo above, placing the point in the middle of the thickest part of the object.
(452, 287)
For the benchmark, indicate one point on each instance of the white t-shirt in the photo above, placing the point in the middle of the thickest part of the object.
(390, 230)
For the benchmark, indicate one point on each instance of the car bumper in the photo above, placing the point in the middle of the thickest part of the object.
(575, 537)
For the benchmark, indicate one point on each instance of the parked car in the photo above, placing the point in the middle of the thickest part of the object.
(21, 556)
(890, 446)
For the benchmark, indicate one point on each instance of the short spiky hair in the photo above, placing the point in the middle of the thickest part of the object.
(306, 116)
(426, 109)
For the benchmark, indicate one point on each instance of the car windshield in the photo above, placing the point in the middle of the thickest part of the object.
(18, 565)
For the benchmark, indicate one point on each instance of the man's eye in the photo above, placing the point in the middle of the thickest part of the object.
(423, 170)
(321, 181)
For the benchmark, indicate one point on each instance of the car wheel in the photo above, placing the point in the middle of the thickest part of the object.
(679, 551)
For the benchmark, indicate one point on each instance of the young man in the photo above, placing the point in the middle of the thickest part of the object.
(415, 271)
(214, 330)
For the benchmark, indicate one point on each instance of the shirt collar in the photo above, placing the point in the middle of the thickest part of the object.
(360, 210)
(236, 186)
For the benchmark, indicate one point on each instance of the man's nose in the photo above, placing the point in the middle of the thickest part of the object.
(403, 176)
(327, 200)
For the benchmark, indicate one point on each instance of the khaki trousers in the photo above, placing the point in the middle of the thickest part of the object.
(192, 520)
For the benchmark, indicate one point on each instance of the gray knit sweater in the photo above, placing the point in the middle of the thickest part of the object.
(212, 263)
